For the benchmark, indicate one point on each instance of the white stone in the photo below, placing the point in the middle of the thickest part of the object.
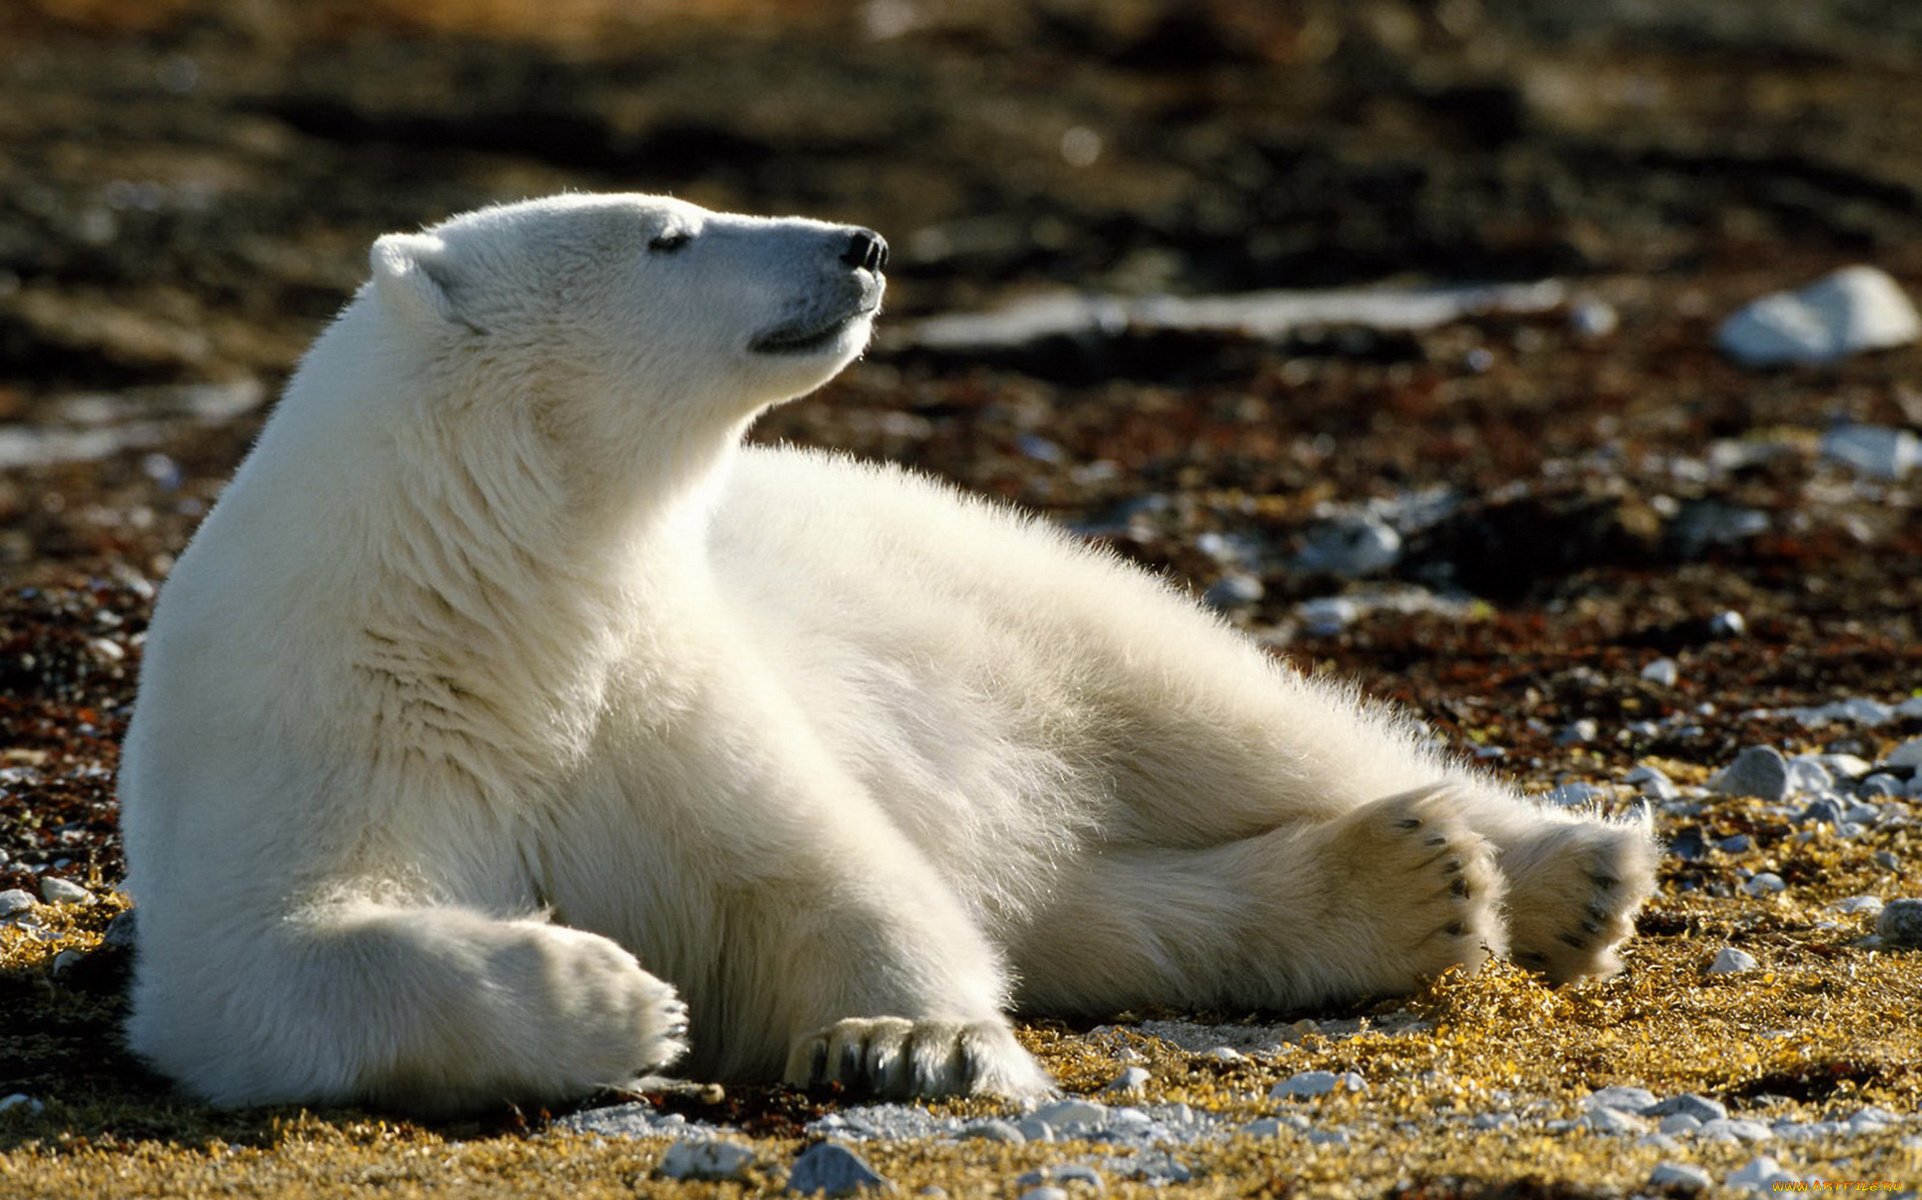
(1065, 1114)
(1621, 1098)
(1766, 884)
(1613, 1121)
(1304, 1085)
(1730, 961)
(1874, 450)
(1224, 1054)
(1859, 904)
(14, 901)
(1676, 1174)
(1131, 1079)
(1662, 671)
(1679, 1123)
(1652, 782)
(706, 1158)
(1702, 1108)
(55, 890)
(1760, 1175)
(1842, 313)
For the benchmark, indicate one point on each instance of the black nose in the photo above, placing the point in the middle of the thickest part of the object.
(866, 249)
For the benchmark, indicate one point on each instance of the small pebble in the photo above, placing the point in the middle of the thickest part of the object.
(1806, 774)
(1767, 883)
(1232, 592)
(1761, 1174)
(1304, 1085)
(1736, 1129)
(1652, 783)
(1758, 771)
(1044, 1193)
(1034, 1130)
(1859, 904)
(14, 901)
(1662, 671)
(1573, 795)
(55, 890)
(1578, 733)
(1679, 1123)
(1628, 1099)
(1682, 1175)
(1730, 961)
(1842, 313)
(21, 1101)
(1064, 1173)
(992, 1130)
(829, 1168)
(1727, 624)
(1613, 1121)
(706, 1158)
(1900, 924)
(1224, 1054)
(1738, 844)
(1908, 754)
(1065, 1114)
(1131, 1079)
(1688, 1104)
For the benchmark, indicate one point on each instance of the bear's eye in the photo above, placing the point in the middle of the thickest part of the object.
(668, 243)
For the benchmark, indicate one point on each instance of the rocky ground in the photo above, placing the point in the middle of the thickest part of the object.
(1562, 524)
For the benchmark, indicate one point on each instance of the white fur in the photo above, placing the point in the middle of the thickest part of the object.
(503, 685)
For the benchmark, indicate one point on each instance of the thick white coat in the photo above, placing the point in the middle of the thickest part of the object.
(506, 713)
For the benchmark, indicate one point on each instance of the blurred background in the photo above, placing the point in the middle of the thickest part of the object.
(1563, 478)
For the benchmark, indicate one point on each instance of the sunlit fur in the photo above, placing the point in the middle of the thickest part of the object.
(509, 729)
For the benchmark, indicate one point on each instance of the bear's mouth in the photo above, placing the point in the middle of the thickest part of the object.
(807, 337)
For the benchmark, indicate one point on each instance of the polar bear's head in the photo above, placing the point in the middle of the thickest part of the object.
(623, 326)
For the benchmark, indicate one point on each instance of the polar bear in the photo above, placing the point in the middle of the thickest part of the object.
(511, 729)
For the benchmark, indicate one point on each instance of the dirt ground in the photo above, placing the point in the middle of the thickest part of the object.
(188, 187)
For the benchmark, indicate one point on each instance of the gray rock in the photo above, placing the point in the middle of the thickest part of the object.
(1676, 1123)
(1350, 545)
(1908, 754)
(1843, 766)
(1873, 450)
(1768, 883)
(1304, 1085)
(1045, 1193)
(1613, 1121)
(1900, 924)
(120, 932)
(1843, 313)
(1272, 1126)
(14, 901)
(1233, 591)
(1578, 733)
(1730, 961)
(1821, 812)
(1034, 1129)
(55, 890)
(1808, 775)
(1682, 1175)
(1736, 844)
(1758, 771)
(706, 1158)
(1702, 1108)
(1618, 1097)
(1062, 1174)
(21, 1101)
(1739, 1129)
(831, 1169)
(1859, 904)
(1878, 786)
(992, 1130)
(1224, 1054)
(1328, 1137)
(1653, 783)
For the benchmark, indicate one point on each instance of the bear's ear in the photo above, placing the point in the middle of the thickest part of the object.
(413, 274)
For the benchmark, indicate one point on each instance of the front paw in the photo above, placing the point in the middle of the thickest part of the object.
(896, 1057)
